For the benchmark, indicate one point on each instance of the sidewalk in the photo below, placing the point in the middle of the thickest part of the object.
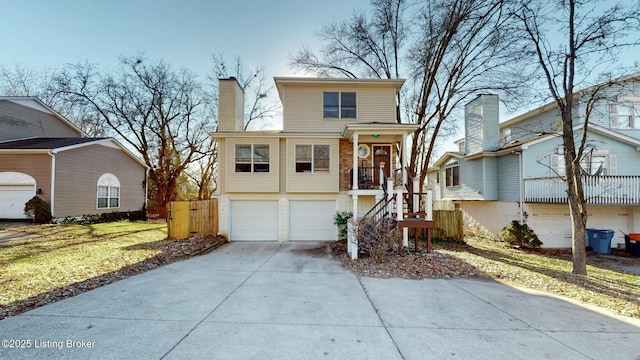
(272, 301)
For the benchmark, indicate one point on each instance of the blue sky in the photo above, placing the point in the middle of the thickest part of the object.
(183, 33)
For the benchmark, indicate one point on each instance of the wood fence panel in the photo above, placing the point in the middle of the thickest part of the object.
(448, 224)
(190, 218)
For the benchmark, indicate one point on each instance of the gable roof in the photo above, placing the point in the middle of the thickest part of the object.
(36, 104)
(56, 145)
(553, 105)
(45, 143)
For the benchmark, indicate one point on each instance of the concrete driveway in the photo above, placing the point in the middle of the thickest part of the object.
(272, 301)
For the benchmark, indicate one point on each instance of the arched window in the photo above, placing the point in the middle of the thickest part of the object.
(108, 192)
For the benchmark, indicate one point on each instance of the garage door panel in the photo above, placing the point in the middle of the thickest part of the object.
(12, 200)
(254, 220)
(312, 220)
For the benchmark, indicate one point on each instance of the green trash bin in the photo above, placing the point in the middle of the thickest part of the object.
(600, 240)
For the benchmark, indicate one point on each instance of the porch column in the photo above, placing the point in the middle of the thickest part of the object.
(405, 160)
(354, 176)
(354, 185)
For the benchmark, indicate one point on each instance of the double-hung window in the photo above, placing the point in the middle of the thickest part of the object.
(452, 174)
(252, 158)
(312, 158)
(628, 116)
(339, 105)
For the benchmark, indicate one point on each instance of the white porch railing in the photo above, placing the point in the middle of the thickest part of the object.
(598, 190)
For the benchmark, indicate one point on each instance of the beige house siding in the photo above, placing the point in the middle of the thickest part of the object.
(37, 166)
(221, 178)
(253, 182)
(319, 182)
(77, 173)
(303, 107)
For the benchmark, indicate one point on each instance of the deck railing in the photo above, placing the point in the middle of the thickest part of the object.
(598, 190)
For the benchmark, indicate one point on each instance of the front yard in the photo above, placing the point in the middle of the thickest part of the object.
(58, 261)
(613, 282)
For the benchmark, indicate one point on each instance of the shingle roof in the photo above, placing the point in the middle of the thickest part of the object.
(45, 143)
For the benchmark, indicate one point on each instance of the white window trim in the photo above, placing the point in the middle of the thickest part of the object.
(111, 182)
(252, 162)
(451, 165)
(340, 105)
(313, 154)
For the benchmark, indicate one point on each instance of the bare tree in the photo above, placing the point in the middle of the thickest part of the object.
(455, 50)
(22, 81)
(153, 109)
(589, 40)
(258, 108)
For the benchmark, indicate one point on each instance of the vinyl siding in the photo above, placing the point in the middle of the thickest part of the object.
(77, 173)
(252, 182)
(537, 157)
(312, 182)
(303, 107)
(490, 178)
(19, 122)
(37, 166)
(548, 122)
(508, 178)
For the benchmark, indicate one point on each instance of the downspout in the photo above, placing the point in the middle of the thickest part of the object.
(53, 183)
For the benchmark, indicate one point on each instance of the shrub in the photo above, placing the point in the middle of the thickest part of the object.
(38, 209)
(340, 219)
(102, 218)
(520, 235)
(376, 239)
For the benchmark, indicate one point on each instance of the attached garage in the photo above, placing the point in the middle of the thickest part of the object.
(15, 190)
(253, 220)
(552, 223)
(312, 220)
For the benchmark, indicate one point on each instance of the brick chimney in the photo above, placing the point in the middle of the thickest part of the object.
(481, 118)
(230, 105)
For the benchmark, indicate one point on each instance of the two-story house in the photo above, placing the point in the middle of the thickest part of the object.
(340, 145)
(44, 154)
(514, 170)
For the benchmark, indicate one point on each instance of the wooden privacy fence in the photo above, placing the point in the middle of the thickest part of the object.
(447, 224)
(190, 218)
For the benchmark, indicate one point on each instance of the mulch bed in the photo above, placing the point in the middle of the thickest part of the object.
(411, 265)
(172, 251)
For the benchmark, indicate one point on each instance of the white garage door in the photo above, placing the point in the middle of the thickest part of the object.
(15, 190)
(254, 220)
(312, 220)
(552, 223)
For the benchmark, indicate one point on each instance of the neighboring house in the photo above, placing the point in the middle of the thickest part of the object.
(42, 153)
(513, 170)
(287, 185)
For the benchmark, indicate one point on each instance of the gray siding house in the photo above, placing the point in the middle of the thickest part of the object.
(42, 153)
(514, 170)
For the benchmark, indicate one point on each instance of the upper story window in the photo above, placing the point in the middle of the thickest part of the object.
(594, 162)
(506, 135)
(108, 192)
(339, 105)
(312, 158)
(252, 158)
(628, 116)
(452, 174)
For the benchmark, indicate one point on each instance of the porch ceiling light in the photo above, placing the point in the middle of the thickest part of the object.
(375, 136)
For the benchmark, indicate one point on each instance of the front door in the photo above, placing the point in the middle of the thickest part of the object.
(381, 153)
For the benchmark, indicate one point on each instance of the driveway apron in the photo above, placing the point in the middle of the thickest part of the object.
(293, 300)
